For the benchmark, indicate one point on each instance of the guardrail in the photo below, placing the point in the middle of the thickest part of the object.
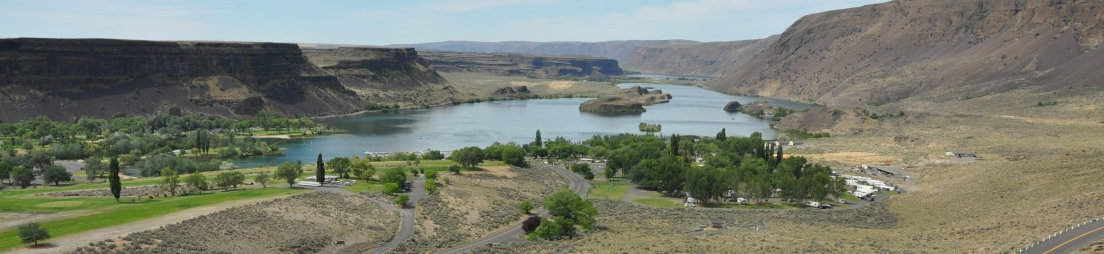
(1060, 232)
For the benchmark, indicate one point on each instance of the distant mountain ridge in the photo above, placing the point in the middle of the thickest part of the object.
(930, 50)
(709, 59)
(617, 50)
(543, 66)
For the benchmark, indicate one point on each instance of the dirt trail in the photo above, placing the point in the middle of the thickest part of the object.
(72, 242)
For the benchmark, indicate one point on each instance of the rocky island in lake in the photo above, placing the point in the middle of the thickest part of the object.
(629, 100)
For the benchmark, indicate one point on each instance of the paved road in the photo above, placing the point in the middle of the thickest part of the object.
(416, 193)
(407, 226)
(1071, 240)
(513, 232)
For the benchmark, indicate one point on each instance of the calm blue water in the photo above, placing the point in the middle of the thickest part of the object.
(692, 110)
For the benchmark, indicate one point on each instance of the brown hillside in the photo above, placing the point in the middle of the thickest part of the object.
(930, 51)
(710, 59)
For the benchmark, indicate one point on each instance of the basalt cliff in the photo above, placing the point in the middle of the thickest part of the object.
(523, 64)
(68, 78)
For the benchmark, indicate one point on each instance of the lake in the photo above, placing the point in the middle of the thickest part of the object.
(692, 111)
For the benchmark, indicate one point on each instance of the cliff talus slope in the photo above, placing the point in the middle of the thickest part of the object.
(930, 51)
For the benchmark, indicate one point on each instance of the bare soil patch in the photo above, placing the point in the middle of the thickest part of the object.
(305, 223)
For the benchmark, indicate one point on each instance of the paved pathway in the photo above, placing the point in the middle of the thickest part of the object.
(417, 192)
(1071, 240)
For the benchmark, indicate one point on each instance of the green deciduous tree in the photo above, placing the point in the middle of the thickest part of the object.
(229, 179)
(395, 176)
(514, 156)
(362, 168)
(197, 181)
(113, 178)
(569, 205)
(22, 177)
(262, 179)
(340, 166)
(469, 157)
(525, 206)
(288, 171)
(31, 233)
(55, 174)
(93, 168)
(170, 179)
(5, 171)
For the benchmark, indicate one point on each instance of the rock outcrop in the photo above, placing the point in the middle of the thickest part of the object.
(930, 51)
(709, 59)
(384, 75)
(732, 106)
(522, 64)
(68, 78)
(759, 108)
(629, 100)
(512, 90)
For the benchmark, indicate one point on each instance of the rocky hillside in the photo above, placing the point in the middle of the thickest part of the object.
(384, 75)
(522, 64)
(930, 51)
(617, 50)
(69, 78)
(708, 59)
(629, 100)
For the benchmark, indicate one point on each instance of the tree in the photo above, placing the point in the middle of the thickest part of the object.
(288, 171)
(589, 175)
(55, 174)
(262, 179)
(433, 155)
(402, 200)
(469, 157)
(320, 173)
(454, 169)
(170, 179)
(537, 141)
(22, 177)
(610, 172)
(530, 224)
(31, 233)
(556, 228)
(569, 205)
(113, 178)
(674, 145)
(363, 168)
(431, 187)
(197, 181)
(390, 188)
(5, 171)
(721, 136)
(514, 156)
(229, 179)
(525, 206)
(93, 168)
(340, 165)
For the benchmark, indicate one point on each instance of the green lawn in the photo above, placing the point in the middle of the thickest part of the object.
(610, 190)
(365, 186)
(125, 212)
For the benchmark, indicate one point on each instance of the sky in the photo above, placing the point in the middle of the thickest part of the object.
(370, 22)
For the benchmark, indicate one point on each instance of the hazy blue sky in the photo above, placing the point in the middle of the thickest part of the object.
(398, 21)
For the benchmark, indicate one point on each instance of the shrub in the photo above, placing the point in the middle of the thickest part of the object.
(431, 187)
(454, 169)
(525, 206)
(31, 233)
(402, 200)
(531, 224)
(390, 188)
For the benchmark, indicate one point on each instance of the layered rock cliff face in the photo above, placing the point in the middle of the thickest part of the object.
(521, 64)
(709, 59)
(929, 51)
(68, 78)
(384, 75)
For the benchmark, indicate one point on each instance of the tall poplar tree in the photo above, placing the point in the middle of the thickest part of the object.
(113, 178)
(321, 172)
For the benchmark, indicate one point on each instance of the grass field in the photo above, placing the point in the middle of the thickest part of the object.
(610, 190)
(655, 202)
(131, 211)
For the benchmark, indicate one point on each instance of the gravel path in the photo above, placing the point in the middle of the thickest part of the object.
(72, 242)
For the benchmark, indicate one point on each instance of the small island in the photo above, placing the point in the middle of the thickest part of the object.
(629, 100)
